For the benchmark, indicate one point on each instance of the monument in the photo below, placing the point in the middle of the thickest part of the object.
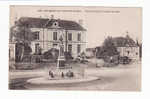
(61, 58)
(61, 75)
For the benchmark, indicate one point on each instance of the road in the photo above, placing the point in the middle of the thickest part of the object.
(121, 78)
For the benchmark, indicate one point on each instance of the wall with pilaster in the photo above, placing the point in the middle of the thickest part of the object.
(46, 39)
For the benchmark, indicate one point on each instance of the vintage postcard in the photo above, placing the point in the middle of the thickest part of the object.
(75, 48)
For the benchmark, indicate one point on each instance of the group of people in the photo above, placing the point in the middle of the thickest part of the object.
(51, 74)
(68, 74)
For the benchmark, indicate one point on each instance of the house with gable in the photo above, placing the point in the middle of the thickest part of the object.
(48, 32)
(126, 46)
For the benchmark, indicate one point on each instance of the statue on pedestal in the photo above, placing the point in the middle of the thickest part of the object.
(61, 57)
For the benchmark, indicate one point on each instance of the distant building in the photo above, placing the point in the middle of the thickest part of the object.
(90, 52)
(47, 33)
(126, 46)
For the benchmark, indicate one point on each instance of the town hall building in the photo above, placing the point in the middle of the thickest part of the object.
(48, 32)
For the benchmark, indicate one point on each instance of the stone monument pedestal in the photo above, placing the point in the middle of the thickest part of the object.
(61, 62)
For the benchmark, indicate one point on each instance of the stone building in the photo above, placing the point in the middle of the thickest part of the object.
(48, 32)
(126, 46)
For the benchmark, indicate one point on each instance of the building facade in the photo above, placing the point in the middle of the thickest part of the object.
(126, 46)
(133, 52)
(48, 32)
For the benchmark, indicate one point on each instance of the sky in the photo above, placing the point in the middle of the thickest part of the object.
(99, 22)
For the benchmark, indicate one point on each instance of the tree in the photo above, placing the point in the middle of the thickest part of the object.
(108, 48)
(22, 34)
(51, 54)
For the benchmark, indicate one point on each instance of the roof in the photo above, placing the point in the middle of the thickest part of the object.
(90, 49)
(124, 42)
(47, 23)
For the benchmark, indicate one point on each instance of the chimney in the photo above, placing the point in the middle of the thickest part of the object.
(81, 22)
(52, 16)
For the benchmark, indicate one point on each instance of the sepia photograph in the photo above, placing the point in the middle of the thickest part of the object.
(87, 48)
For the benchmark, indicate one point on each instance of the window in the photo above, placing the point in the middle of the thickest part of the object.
(128, 52)
(54, 44)
(79, 37)
(78, 48)
(54, 35)
(70, 48)
(36, 35)
(70, 36)
(55, 24)
(37, 48)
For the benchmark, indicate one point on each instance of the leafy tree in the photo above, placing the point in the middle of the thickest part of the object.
(108, 48)
(51, 54)
(68, 55)
(22, 34)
